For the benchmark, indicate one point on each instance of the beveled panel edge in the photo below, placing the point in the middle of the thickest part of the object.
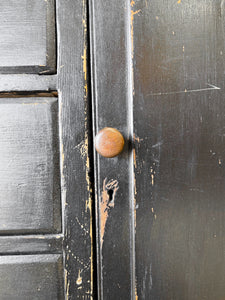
(22, 244)
(51, 49)
(27, 83)
(56, 196)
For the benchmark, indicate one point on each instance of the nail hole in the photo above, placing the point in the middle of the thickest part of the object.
(110, 193)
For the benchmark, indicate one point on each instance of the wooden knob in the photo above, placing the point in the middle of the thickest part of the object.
(109, 142)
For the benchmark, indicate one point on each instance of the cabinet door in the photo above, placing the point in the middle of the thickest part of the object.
(45, 187)
(158, 69)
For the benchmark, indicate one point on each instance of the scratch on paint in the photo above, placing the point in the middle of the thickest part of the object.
(106, 204)
(82, 146)
(82, 226)
(136, 295)
(132, 29)
(85, 147)
(157, 145)
(211, 87)
(85, 266)
(153, 212)
(135, 203)
(62, 155)
(79, 278)
(132, 13)
(152, 176)
(136, 138)
(134, 157)
(67, 284)
(134, 182)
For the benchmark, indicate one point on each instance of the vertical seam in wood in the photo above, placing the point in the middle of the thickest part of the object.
(130, 93)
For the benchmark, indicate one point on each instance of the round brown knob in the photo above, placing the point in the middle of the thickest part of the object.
(109, 142)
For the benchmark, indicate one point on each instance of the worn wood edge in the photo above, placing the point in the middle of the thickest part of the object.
(130, 92)
(74, 105)
(94, 132)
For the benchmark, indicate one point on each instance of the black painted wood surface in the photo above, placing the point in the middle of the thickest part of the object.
(76, 149)
(179, 169)
(27, 36)
(25, 244)
(46, 239)
(113, 176)
(158, 75)
(29, 151)
(31, 277)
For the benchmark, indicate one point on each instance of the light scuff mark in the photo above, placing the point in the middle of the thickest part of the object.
(107, 202)
(210, 88)
(152, 176)
(136, 295)
(67, 283)
(137, 139)
(135, 187)
(82, 147)
(153, 212)
(136, 142)
(132, 14)
(134, 158)
(79, 278)
(82, 226)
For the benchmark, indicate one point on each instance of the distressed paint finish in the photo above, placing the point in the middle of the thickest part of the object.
(107, 202)
(180, 174)
(55, 110)
(74, 98)
(167, 60)
(112, 104)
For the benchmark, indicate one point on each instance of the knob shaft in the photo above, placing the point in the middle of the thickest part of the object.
(109, 142)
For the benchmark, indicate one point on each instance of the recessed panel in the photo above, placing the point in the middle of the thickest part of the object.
(33, 277)
(29, 166)
(27, 36)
